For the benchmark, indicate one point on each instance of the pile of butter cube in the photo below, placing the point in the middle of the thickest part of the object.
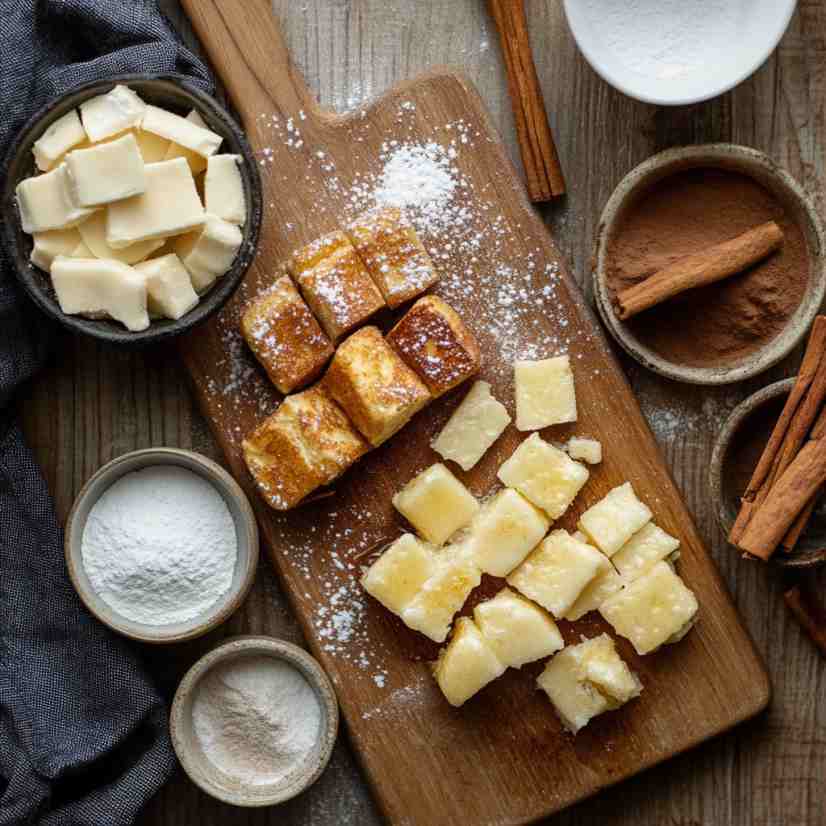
(133, 214)
(619, 562)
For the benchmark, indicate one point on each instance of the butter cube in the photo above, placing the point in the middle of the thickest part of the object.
(400, 572)
(588, 450)
(557, 572)
(208, 253)
(64, 134)
(197, 163)
(107, 172)
(606, 583)
(168, 287)
(224, 189)
(612, 521)
(648, 546)
(518, 631)
(603, 667)
(436, 504)
(93, 233)
(45, 203)
(544, 393)
(467, 664)
(48, 245)
(545, 475)
(153, 148)
(653, 610)
(474, 426)
(169, 206)
(87, 286)
(504, 532)
(116, 111)
(180, 131)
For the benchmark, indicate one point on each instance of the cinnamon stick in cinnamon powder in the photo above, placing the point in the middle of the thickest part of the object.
(713, 264)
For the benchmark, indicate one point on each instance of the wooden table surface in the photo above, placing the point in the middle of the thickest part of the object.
(94, 403)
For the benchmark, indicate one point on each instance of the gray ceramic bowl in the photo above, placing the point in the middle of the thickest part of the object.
(178, 95)
(788, 192)
(246, 529)
(202, 771)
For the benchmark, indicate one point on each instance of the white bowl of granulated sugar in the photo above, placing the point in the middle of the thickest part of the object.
(161, 545)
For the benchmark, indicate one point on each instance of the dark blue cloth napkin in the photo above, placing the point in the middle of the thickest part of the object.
(83, 732)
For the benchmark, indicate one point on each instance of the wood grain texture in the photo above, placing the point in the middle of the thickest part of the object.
(94, 403)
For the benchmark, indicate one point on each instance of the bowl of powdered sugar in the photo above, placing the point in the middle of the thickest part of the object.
(254, 721)
(162, 545)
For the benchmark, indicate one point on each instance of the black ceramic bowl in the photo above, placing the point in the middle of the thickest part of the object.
(178, 95)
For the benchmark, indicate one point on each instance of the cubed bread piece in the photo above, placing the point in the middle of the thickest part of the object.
(545, 475)
(61, 136)
(208, 252)
(603, 667)
(169, 290)
(432, 610)
(544, 393)
(377, 390)
(152, 147)
(612, 521)
(434, 342)
(45, 202)
(399, 573)
(504, 532)
(518, 631)
(183, 132)
(48, 245)
(436, 504)
(106, 172)
(224, 188)
(394, 256)
(467, 664)
(306, 443)
(588, 450)
(335, 284)
(116, 111)
(285, 337)
(648, 546)
(606, 583)
(93, 233)
(652, 610)
(474, 426)
(557, 572)
(197, 162)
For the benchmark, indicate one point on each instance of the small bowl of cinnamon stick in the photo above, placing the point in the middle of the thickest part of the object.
(709, 263)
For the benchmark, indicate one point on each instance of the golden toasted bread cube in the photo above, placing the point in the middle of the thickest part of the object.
(588, 450)
(504, 532)
(648, 546)
(434, 342)
(544, 393)
(436, 504)
(557, 572)
(653, 610)
(545, 475)
(603, 667)
(467, 664)
(335, 284)
(393, 254)
(377, 390)
(612, 521)
(432, 610)
(285, 337)
(306, 443)
(474, 426)
(518, 631)
(399, 573)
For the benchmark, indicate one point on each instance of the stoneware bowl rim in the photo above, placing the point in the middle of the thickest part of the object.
(17, 164)
(246, 531)
(730, 428)
(180, 721)
(728, 156)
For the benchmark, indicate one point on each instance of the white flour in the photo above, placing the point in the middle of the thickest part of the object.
(256, 719)
(159, 546)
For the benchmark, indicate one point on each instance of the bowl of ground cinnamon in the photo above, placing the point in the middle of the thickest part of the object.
(709, 263)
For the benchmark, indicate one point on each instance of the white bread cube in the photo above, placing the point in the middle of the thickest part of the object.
(653, 610)
(557, 572)
(45, 202)
(197, 163)
(474, 426)
(224, 188)
(504, 532)
(545, 475)
(48, 245)
(467, 664)
(64, 134)
(518, 631)
(116, 111)
(399, 573)
(169, 290)
(648, 546)
(612, 521)
(93, 233)
(436, 504)
(152, 147)
(544, 393)
(606, 583)
(603, 667)
(107, 172)
(588, 450)
(208, 252)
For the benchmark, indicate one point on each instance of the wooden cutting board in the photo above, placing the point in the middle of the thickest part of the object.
(503, 758)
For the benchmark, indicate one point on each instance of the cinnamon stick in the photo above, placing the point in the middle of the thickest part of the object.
(706, 267)
(811, 615)
(792, 536)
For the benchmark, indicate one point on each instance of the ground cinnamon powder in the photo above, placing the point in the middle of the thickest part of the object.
(719, 324)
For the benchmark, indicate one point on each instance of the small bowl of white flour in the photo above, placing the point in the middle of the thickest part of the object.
(162, 545)
(254, 722)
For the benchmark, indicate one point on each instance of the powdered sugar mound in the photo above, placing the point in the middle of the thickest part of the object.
(415, 175)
